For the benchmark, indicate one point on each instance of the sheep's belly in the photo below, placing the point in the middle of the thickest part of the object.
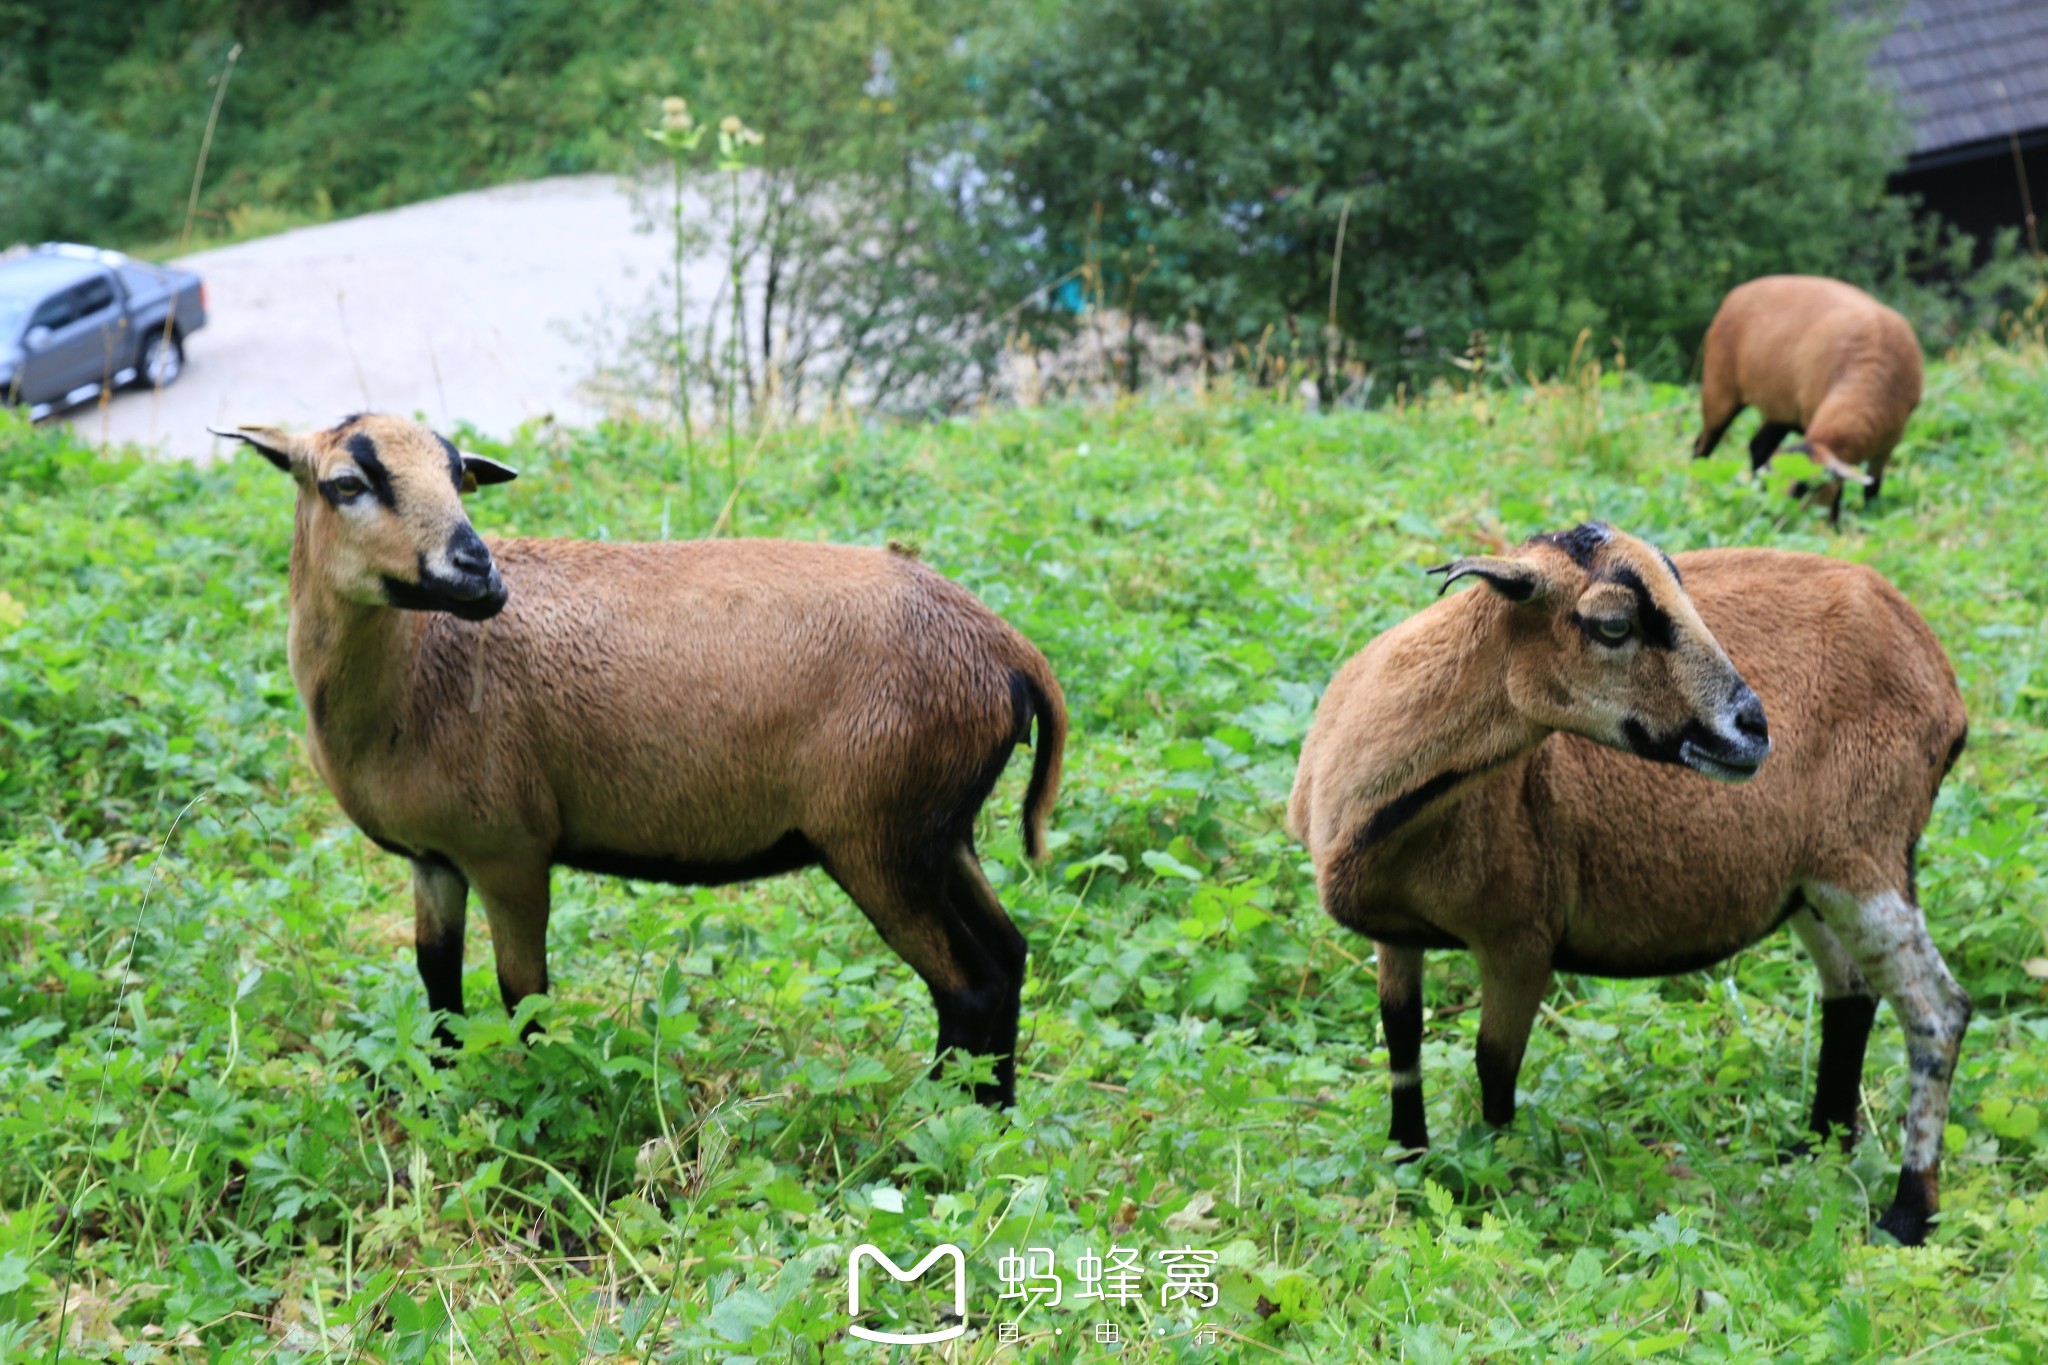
(787, 854)
(1660, 948)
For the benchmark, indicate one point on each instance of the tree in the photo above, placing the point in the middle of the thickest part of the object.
(1536, 169)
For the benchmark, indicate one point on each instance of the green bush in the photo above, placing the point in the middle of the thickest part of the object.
(873, 278)
(942, 177)
(333, 107)
(66, 177)
(1536, 170)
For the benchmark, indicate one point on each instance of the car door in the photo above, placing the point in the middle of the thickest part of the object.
(43, 366)
(90, 339)
(76, 350)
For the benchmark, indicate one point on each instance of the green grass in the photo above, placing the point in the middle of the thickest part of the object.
(224, 1140)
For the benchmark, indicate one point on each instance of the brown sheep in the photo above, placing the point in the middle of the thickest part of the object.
(698, 712)
(1473, 779)
(1817, 356)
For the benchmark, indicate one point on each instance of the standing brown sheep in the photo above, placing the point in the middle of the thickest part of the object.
(698, 712)
(1816, 356)
(1475, 779)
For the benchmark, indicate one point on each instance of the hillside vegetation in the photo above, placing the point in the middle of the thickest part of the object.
(942, 183)
(225, 1139)
(332, 108)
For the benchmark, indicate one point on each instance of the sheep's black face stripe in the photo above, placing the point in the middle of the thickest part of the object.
(454, 460)
(365, 452)
(1650, 618)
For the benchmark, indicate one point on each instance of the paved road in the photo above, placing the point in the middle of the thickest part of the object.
(466, 307)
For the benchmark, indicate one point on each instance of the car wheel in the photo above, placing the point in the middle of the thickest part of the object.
(163, 360)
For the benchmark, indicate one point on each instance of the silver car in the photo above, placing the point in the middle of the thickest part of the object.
(75, 320)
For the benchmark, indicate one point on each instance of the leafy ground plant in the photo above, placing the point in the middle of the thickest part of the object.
(226, 1139)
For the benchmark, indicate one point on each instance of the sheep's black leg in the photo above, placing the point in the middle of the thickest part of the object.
(515, 896)
(1511, 988)
(1713, 428)
(440, 898)
(1765, 443)
(1838, 1082)
(1847, 1008)
(1704, 444)
(1870, 489)
(1828, 490)
(937, 911)
(992, 939)
(1400, 972)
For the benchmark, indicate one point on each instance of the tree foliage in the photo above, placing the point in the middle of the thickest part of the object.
(871, 271)
(1537, 170)
(943, 179)
(334, 107)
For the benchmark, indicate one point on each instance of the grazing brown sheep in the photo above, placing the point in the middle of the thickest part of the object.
(1817, 356)
(1474, 779)
(699, 712)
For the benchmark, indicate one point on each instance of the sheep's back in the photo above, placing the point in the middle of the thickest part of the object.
(1793, 340)
(739, 689)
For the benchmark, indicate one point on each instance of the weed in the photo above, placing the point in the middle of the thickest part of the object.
(226, 1137)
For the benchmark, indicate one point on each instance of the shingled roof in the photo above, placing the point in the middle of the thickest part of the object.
(1969, 72)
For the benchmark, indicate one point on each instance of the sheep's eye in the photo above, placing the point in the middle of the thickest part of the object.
(1612, 631)
(349, 486)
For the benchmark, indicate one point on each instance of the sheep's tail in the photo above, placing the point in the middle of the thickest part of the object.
(1048, 750)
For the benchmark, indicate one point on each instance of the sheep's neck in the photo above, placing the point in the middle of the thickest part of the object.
(351, 662)
(1449, 719)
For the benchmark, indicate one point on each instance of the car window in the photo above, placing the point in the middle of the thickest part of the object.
(94, 296)
(138, 277)
(57, 310)
(13, 320)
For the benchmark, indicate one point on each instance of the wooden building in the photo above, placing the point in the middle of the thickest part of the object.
(1972, 77)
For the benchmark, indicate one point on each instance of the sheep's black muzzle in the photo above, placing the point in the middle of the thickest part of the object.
(473, 592)
(1731, 750)
(488, 603)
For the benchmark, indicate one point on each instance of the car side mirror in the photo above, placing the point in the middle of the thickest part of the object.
(37, 339)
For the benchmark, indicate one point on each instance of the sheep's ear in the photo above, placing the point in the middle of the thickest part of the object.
(1833, 464)
(478, 471)
(281, 448)
(1511, 578)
